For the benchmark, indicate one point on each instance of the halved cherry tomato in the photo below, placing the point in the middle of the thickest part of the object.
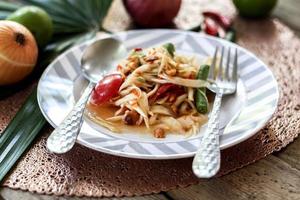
(106, 89)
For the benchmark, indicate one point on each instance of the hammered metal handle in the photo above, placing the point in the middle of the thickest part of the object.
(63, 138)
(206, 162)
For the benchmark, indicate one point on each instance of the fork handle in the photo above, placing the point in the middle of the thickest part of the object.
(63, 138)
(206, 162)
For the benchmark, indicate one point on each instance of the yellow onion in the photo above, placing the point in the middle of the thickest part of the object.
(18, 52)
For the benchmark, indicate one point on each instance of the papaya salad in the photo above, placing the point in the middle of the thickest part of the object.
(156, 89)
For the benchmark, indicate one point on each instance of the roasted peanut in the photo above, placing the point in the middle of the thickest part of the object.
(130, 117)
(171, 71)
(159, 133)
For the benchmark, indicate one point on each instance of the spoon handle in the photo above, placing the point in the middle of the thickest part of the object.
(63, 138)
(206, 162)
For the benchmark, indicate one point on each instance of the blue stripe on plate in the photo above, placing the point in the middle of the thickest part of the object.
(60, 70)
(261, 96)
(136, 34)
(193, 44)
(253, 73)
(248, 61)
(164, 148)
(260, 83)
(74, 62)
(138, 148)
(153, 42)
(188, 146)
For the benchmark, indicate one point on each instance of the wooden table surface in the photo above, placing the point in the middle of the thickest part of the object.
(275, 177)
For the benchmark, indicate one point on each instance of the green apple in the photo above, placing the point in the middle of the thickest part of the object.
(36, 20)
(254, 8)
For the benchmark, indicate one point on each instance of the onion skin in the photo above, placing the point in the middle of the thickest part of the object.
(152, 13)
(18, 52)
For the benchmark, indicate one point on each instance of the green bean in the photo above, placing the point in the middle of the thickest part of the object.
(201, 101)
(170, 48)
(203, 74)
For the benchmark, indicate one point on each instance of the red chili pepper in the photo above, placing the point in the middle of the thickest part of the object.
(210, 27)
(164, 88)
(224, 21)
(138, 49)
(221, 32)
(167, 89)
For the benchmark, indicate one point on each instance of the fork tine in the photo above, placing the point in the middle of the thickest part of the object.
(227, 65)
(235, 67)
(211, 73)
(220, 70)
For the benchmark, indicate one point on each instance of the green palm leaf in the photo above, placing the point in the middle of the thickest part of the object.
(79, 16)
(7, 8)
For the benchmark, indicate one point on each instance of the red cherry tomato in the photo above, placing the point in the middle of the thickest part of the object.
(106, 89)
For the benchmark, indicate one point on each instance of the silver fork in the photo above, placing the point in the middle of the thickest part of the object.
(206, 162)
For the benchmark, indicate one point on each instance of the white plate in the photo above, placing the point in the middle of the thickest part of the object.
(243, 114)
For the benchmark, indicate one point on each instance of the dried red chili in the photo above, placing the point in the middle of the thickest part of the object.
(224, 21)
(210, 27)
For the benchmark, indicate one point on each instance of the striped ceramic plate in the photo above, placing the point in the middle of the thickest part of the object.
(242, 114)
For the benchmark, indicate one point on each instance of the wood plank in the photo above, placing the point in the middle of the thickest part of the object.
(288, 12)
(10, 194)
(291, 154)
(271, 178)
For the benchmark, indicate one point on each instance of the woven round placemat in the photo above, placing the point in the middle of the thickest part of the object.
(84, 172)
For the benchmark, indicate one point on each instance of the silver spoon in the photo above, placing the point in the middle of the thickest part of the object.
(96, 61)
